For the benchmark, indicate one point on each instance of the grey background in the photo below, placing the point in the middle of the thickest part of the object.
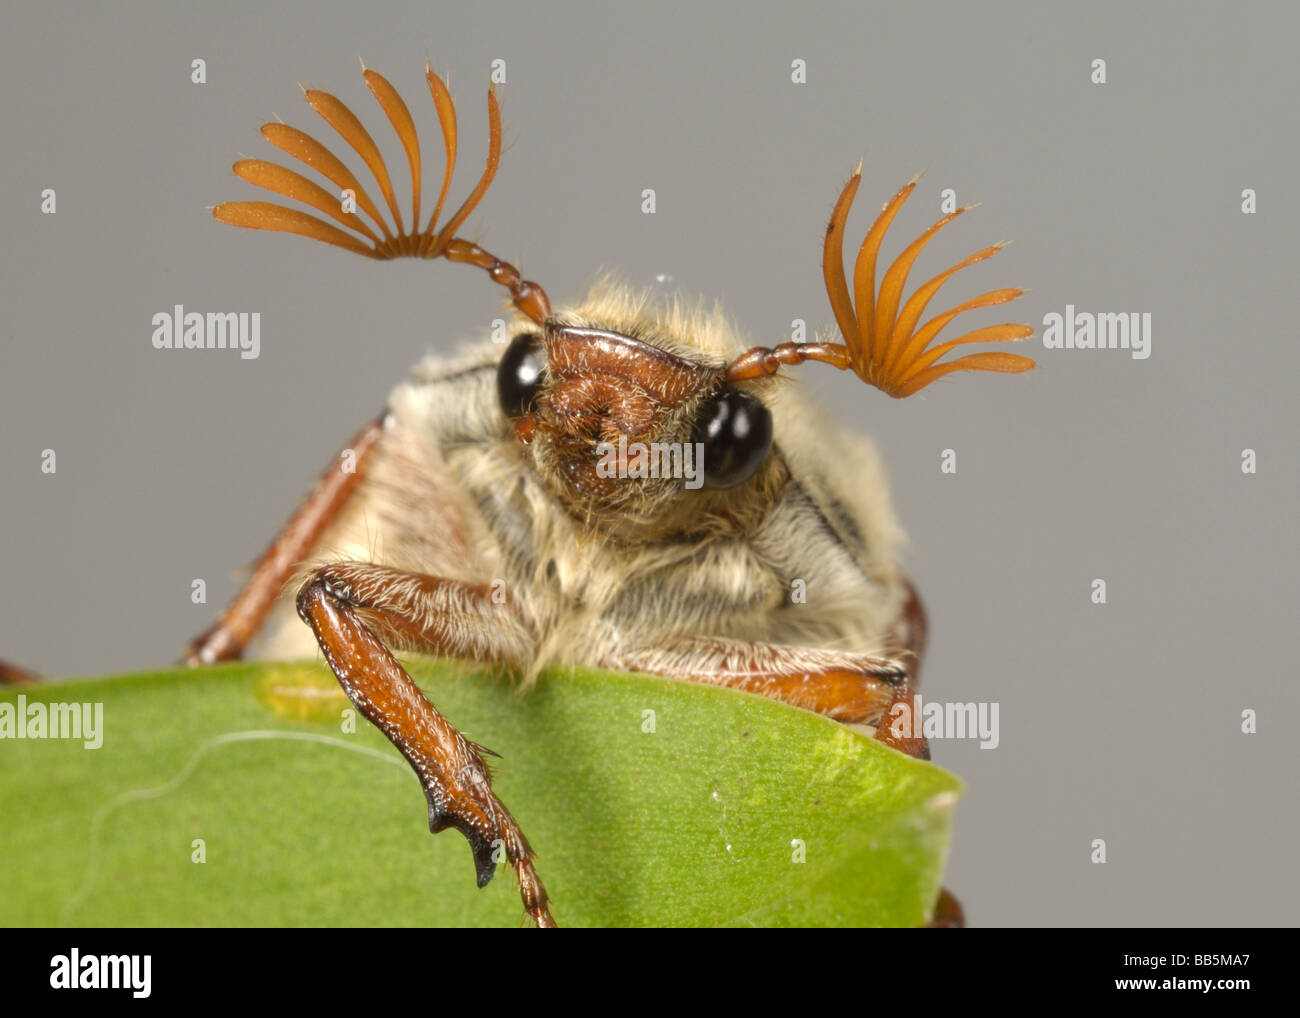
(1118, 721)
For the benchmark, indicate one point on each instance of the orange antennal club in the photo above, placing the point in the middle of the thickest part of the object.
(377, 239)
(882, 344)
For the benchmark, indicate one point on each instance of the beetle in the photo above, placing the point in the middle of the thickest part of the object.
(501, 507)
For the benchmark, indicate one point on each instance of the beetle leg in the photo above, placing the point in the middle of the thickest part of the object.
(948, 913)
(349, 606)
(226, 639)
(852, 688)
(907, 634)
(907, 639)
(15, 675)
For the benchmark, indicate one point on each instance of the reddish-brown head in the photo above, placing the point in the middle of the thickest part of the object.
(615, 418)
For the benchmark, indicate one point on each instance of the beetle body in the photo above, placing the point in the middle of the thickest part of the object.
(803, 553)
(501, 509)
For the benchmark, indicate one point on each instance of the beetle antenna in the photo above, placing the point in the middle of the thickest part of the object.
(882, 343)
(376, 238)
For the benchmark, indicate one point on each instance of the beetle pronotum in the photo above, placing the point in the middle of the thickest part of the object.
(497, 466)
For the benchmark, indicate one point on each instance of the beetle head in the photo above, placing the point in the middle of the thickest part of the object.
(634, 427)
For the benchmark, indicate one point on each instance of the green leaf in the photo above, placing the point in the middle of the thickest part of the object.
(698, 821)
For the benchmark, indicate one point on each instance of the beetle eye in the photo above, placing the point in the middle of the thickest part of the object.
(736, 430)
(519, 374)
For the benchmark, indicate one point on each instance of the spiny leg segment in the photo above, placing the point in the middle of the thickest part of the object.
(346, 605)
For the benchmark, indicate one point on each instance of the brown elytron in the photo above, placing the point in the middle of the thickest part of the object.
(599, 384)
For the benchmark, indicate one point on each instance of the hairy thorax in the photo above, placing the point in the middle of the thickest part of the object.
(805, 552)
